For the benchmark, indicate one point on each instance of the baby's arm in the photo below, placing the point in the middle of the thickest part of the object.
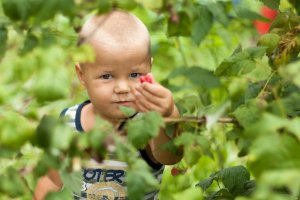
(155, 97)
(48, 183)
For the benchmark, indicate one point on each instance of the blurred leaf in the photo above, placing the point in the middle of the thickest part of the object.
(218, 10)
(202, 24)
(245, 13)
(104, 6)
(31, 42)
(11, 183)
(15, 130)
(143, 127)
(248, 113)
(62, 194)
(140, 180)
(17, 9)
(180, 26)
(3, 41)
(288, 105)
(201, 77)
(72, 181)
(48, 9)
(126, 4)
(274, 4)
(47, 88)
(274, 151)
(128, 112)
(44, 131)
(291, 72)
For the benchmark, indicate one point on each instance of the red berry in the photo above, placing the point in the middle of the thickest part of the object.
(263, 27)
(146, 78)
(175, 171)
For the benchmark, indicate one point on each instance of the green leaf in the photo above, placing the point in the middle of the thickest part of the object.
(274, 4)
(48, 9)
(202, 77)
(218, 10)
(240, 62)
(182, 27)
(248, 113)
(47, 88)
(143, 127)
(15, 130)
(104, 6)
(128, 112)
(245, 13)
(140, 180)
(126, 4)
(72, 181)
(274, 151)
(206, 183)
(11, 183)
(3, 41)
(17, 9)
(44, 131)
(62, 194)
(202, 24)
(222, 194)
(288, 105)
(31, 42)
(291, 73)
(234, 179)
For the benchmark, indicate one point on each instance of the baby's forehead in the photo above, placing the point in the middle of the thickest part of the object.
(116, 26)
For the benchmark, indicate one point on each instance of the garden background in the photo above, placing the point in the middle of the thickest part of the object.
(237, 91)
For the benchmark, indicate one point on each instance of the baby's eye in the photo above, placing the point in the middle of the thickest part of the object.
(135, 75)
(106, 76)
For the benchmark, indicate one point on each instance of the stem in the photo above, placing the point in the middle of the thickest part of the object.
(218, 184)
(266, 84)
(200, 120)
(181, 52)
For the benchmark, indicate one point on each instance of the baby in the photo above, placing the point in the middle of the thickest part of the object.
(121, 43)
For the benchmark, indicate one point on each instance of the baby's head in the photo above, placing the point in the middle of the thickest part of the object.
(117, 37)
(122, 47)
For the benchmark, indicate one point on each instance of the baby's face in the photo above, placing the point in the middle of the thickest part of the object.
(111, 80)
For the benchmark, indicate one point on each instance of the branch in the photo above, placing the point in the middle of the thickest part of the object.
(200, 120)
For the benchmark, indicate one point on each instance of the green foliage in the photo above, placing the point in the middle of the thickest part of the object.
(143, 127)
(237, 91)
(236, 181)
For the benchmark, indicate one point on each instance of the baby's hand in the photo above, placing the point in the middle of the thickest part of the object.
(151, 96)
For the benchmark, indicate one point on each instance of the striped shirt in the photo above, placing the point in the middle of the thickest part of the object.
(106, 180)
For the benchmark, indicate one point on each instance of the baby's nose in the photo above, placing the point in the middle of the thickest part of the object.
(122, 86)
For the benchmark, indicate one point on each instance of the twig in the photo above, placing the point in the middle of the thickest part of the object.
(224, 120)
(266, 84)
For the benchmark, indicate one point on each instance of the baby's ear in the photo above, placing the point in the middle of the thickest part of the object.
(79, 73)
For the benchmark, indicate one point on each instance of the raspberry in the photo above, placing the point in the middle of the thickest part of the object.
(175, 171)
(146, 78)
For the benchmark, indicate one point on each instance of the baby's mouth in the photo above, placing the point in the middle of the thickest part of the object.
(124, 103)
